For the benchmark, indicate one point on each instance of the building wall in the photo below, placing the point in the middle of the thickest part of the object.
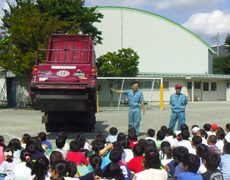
(3, 94)
(163, 46)
(13, 91)
(219, 94)
(149, 95)
(210, 94)
(210, 62)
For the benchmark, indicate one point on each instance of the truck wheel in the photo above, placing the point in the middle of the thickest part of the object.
(48, 127)
(92, 122)
(51, 127)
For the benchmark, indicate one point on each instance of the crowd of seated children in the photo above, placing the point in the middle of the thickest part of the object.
(196, 154)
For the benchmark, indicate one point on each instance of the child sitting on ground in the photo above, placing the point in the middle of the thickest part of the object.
(45, 143)
(98, 146)
(40, 168)
(201, 151)
(7, 166)
(171, 138)
(211, 162)
(160, 137)
(112, 137)
(115, 157)
(64, 136)
(132, 136)
(212, 144)
(166, 155)
(196, 140)
(25, 139)
(75, 155)
(95, 161)
(22, 170)
(175, 167)
(58, 170)
(60, 143)
(227, 129)
(152, 166)
(214, 127)
(2, 146)
(185, 140)
(207, 128)
(191, 165)
(86, 148)
(15, 145)
(127, 151)
(150, 134)
(202, 133)
(220, 134)
(135, 164)
(195, 129)
(225, 161)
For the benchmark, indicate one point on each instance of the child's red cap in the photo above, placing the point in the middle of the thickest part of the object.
(214, 126)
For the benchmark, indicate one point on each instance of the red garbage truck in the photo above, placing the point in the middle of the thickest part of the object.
(64, 83)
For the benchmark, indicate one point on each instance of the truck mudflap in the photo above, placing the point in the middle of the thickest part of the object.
(80, 103)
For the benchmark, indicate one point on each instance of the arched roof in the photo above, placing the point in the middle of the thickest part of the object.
(160, 17)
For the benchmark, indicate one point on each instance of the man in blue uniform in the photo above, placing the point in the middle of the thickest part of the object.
(136, 105)
(178, 102)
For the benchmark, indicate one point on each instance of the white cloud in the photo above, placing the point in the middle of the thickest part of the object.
(184, 4)
(180, 9)
(209, 24)
(100, 3)
(134, 2)
(3, 5)
(157, 4)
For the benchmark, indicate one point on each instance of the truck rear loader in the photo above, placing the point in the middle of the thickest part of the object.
(64, 85)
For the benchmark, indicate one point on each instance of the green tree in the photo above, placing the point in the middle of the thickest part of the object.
(227, 42)
(29, 23)
(221, 64)
(123, 63)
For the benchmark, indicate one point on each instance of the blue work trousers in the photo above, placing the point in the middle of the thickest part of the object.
(180, 116)
(135, 119)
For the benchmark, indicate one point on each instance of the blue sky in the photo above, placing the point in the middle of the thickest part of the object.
(206, 18)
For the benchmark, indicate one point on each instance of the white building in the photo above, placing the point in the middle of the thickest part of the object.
(166, 50)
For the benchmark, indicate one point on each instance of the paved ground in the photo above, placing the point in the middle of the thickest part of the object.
(15, 122)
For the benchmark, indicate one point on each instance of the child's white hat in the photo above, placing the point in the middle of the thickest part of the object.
(195, 129)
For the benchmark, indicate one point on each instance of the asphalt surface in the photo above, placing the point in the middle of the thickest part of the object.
(16, 122)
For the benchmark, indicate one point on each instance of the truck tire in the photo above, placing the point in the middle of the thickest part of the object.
(50, 124)
(51, 127)
(92, 122)
(48, 127)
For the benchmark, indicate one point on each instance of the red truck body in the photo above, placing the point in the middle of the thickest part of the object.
(64, 86)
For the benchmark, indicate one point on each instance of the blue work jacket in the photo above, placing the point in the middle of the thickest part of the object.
(134, 98)
(178, 102)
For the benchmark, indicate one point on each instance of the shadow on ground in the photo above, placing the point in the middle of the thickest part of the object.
(72, 131)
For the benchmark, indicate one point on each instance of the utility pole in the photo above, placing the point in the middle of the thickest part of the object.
(122, 24)
(218, 44)
(216, 41)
